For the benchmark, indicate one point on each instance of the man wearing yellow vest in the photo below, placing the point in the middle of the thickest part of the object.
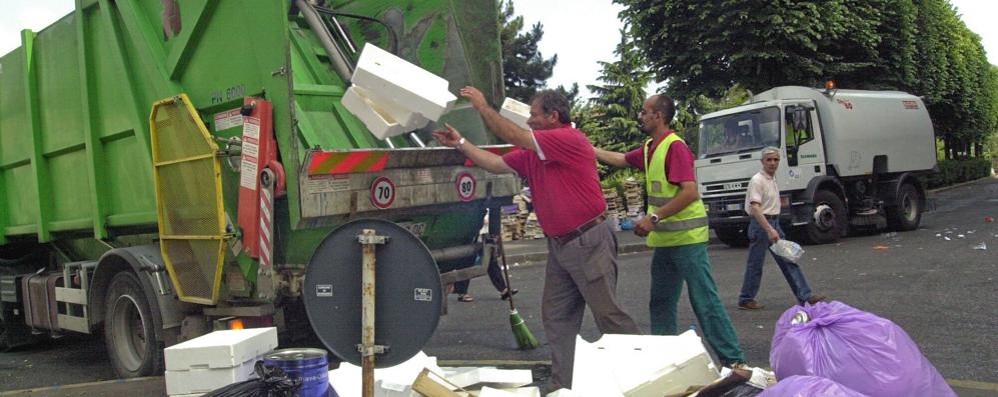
(676, 227)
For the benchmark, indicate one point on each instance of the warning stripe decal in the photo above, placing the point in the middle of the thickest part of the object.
(344, 163)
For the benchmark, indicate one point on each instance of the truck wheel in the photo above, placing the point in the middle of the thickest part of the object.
(735, 237)
(129, 329)
(828, 221)
(906, 212)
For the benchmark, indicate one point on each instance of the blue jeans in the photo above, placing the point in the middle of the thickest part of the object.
(758, 246)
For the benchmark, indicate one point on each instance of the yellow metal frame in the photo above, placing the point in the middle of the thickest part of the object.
(160, 216)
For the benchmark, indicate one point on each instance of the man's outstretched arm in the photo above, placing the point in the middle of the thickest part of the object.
(504, 128)
(615, 159)
(483, 158)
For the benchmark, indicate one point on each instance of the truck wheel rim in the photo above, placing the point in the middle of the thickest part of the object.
(824, 217)
(909, 208)
(129, 333)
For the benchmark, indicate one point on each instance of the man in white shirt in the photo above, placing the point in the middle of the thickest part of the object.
(762, 203)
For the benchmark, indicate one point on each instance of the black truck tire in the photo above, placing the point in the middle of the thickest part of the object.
(129, 329)
(733, 236)
(906, 213)
(828, 222)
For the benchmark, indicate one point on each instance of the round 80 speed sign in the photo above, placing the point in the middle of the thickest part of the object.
(465, 184)
(383, 192)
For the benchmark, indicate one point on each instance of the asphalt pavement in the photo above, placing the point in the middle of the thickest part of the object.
(930, 281)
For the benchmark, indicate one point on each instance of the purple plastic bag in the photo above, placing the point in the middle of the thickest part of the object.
(859, 350)
(809, 386)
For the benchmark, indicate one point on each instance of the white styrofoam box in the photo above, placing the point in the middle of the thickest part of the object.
(516, 111)
(408, 85)
(564, 393)
(641, 365)
(408, 119)
(382, 125)
(221, 349)
(516, 392)
(395, 381)
(475, 377)
(203, 380)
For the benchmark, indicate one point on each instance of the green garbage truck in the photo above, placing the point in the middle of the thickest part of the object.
(170, 167)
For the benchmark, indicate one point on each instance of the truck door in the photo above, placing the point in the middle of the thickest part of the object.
(802, 140)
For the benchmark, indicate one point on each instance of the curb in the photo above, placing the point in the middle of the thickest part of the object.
(961, 184)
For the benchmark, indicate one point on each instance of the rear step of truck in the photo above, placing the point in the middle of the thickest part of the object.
(72, 297)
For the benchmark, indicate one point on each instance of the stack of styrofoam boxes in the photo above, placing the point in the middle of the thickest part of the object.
(532, 229)
(516, 111)
(642, 365)
(511, 228)
(392, 96)
(614, 207)
(634, 193)
(218, 359)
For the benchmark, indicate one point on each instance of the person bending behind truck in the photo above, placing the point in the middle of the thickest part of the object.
(762, 203)
(560, 165)
(676, 227)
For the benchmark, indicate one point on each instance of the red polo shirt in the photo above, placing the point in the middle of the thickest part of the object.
(678, 163)
(563, 180)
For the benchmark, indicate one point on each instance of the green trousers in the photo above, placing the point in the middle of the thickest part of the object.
(670, 268)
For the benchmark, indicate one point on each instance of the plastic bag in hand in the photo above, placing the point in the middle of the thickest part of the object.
(859, 350)
(809, 386)
(787, 249)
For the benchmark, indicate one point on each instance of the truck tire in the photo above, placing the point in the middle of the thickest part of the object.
(906, 213)
(735, 237)
(828, 221)
(129, 329)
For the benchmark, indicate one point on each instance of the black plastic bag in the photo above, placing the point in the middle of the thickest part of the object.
(271, 381)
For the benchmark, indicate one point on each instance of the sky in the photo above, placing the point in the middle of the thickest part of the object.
(581, 32)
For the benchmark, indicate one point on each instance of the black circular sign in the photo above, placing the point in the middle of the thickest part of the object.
(408, 293)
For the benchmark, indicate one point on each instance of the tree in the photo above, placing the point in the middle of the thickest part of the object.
(525, 70)
(619, 99)
(918, 46)
(613, 110)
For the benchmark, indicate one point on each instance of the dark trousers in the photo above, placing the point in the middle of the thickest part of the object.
(580, 273)
(758, 246)
(495, 276)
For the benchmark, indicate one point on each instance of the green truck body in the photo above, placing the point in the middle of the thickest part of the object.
(84, 208)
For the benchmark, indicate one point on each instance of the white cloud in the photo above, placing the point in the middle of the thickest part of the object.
(581, 32)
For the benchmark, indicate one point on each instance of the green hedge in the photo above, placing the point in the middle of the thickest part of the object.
(956, 171)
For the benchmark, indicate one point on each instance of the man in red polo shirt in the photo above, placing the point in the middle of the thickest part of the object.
(559, 163)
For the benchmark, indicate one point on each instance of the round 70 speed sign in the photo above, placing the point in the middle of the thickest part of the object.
(465, 184)
(383, 192)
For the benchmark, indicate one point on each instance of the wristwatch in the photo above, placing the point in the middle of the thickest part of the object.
(459, 143)
(654, 218)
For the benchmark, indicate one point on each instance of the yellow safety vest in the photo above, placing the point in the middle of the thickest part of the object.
(689, 226)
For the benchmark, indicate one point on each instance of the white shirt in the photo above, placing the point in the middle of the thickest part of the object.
(762, 189)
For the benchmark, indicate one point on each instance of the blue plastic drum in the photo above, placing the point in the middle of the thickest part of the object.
(308, 365)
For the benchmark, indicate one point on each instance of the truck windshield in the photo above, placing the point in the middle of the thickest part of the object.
(740, 132)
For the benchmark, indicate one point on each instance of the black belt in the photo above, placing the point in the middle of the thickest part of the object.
(565, 238)
(772, 217)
